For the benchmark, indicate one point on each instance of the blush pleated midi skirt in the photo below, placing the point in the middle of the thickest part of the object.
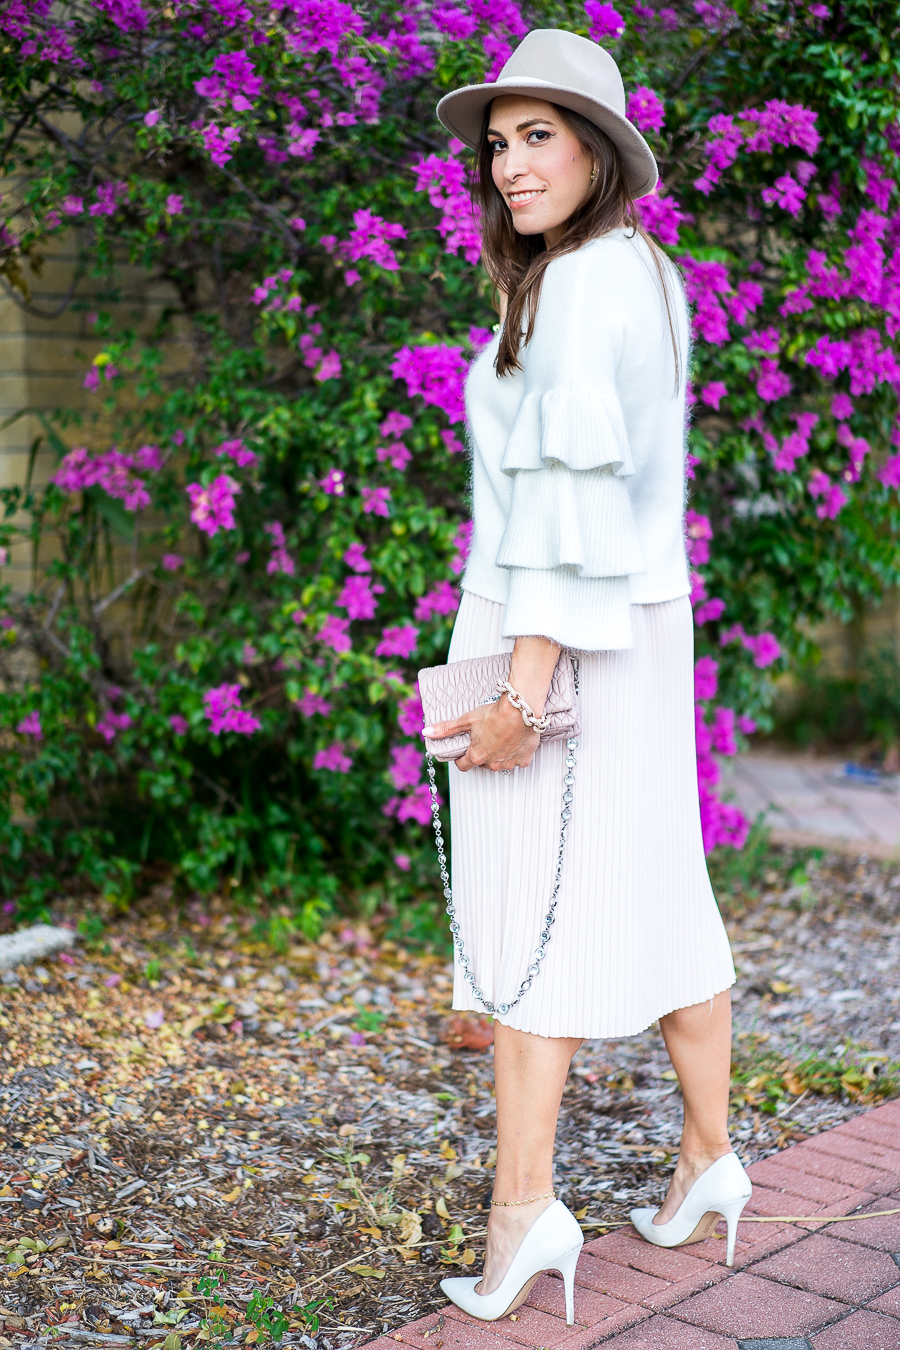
(638, 932)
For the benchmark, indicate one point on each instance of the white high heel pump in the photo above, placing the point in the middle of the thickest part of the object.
(553, 1242)
(722, 1189)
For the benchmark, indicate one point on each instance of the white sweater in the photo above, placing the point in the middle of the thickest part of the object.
(578, 458)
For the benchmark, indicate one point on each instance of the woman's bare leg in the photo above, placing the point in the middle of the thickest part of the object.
(530, 1074)
(698, 1040)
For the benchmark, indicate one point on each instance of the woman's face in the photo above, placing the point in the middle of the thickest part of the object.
(538, 165)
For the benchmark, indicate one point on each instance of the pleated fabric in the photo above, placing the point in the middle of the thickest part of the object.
(638, 932)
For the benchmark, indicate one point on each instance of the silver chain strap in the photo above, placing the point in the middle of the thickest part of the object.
(549, 917)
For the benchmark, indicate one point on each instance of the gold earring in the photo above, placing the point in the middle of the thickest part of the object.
(593, 175)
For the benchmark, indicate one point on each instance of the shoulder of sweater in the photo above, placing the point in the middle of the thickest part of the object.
(620, 261)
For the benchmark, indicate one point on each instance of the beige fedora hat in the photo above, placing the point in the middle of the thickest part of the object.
(573, 72)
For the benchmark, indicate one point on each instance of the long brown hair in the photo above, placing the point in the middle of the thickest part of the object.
(516, 263)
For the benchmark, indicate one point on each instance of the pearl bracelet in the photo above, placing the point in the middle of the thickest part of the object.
(528, 713)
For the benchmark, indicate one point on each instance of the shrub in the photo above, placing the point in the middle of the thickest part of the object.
(237, 703)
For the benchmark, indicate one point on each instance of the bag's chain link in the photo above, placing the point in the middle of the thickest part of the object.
(549, 917)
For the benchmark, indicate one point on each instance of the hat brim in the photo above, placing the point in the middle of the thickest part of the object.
(461, 112)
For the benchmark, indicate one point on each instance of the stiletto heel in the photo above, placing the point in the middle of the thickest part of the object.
(731, 1214)
(722, 1189)
(566, 1267)
(553, 1242)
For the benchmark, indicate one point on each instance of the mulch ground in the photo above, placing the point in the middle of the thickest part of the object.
(204, 1140)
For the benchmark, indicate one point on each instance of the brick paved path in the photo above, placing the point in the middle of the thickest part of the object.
(792, 1287)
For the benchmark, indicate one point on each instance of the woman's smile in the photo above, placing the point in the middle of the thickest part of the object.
(523, 196)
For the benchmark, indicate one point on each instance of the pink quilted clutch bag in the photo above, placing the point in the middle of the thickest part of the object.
(449, 691)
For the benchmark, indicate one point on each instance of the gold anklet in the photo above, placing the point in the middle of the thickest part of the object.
(506, 1204)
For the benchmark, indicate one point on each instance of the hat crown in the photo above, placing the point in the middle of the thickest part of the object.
(556, 57)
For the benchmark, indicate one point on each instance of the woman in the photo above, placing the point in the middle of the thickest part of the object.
(576, 418)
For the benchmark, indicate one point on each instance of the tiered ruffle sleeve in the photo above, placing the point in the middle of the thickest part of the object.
(570, 542)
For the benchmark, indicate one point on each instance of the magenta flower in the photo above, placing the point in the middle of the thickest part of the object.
(723, 732)
(333, 759)
(212, 506)
(30, 725)
(437, 374)
(91, 380)
(708, 612)
(841, 407)
(371, 238)
(605, 22)
(333, 633)
(109, 196)
(699, 532)
(462, 542)
(406, 766)
(457, 25)
(217, 143)
(237, 451)
(766, 341)
(830, 356)
(281, 561)
(765, 646)
(402, 861)
(786, 193)
(645, 109)
(127, 15)
(415, 806)
(879, 185)
(444, 599)
(706, 678)
(772, 383)
(834, 497)
(661, 215)
(329, 368)
(149, 458)
(178, 724)
(399, 641)
(112, 471)
(395, 454)
(355, 558)
(333, 482)
(889, 473)
(151, 118)
(312, 704)
(395, 424)
(444, 179)
(73, 206)
(410, 716)
(713, 394)
(358, 597)
(453, 444)
(222, 706)
(746, 725)
(172, 561)
(174, 204)
(375, 501)
(111, 723)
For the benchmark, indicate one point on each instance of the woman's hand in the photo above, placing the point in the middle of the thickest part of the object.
(499, 738)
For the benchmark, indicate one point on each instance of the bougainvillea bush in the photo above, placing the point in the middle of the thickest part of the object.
(243, 558)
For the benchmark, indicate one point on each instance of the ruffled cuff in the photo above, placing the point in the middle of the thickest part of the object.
(582, 520)
(589, 614)
(584, 430)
